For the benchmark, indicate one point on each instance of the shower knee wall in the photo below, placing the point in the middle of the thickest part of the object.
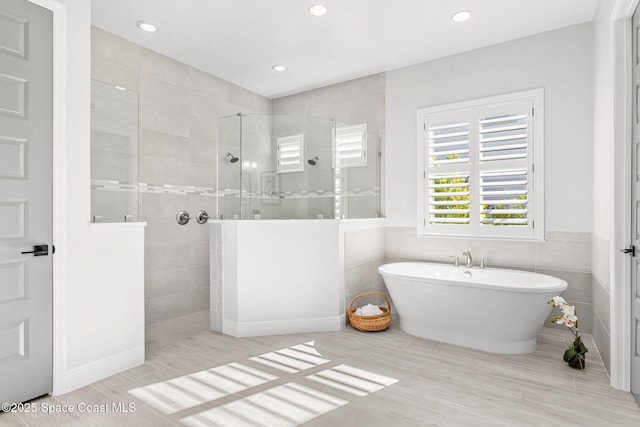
(284, 276)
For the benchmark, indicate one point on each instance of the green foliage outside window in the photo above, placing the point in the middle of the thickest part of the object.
(448, 191)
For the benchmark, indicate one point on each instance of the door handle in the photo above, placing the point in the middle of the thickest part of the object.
(38, 250)
(631, 250)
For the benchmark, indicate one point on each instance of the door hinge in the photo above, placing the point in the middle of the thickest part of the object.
(631, 250)
(533, 224)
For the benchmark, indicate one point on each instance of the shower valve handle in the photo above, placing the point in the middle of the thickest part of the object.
(183, 217)
(202, 217)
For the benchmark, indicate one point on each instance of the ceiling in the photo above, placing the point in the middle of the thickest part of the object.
(240, 40)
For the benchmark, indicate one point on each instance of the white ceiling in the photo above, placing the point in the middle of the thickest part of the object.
(239, 40)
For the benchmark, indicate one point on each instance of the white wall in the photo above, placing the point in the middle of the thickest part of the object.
(603, 119)
(558, 61)
(98, 284)
(602, 176)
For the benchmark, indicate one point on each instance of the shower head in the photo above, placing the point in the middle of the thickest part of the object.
(231, 158)
(313, 161)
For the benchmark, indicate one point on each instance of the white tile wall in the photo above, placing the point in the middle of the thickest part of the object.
(569, 253)
(601, 296)
(363, 254)
(179, 107)
(356, 101)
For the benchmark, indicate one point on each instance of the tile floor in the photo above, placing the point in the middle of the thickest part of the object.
(345, 378)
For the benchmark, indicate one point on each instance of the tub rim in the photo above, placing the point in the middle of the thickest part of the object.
(558, 287)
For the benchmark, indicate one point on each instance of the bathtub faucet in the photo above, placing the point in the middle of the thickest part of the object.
(469, 263)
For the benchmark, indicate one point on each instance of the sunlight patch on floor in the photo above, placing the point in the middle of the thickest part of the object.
(292, 359)
(195, 389)
(290, 404)
(352, 380)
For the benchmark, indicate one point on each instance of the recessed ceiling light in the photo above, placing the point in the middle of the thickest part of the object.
(279, 67)
(147, 26)
(318, 10)
(461, 16)
(120, 88)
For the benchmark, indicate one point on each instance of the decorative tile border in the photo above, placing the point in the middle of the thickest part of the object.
(189, 190)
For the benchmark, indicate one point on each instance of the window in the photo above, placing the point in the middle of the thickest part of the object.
(480, 168)
(351, 145)
(289, 151)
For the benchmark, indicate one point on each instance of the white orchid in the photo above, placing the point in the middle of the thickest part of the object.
(575, 354)
(557, 301)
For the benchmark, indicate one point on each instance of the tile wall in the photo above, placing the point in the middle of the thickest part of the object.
(179, 107)
(363, 254)
(352, 102)
(601, 293)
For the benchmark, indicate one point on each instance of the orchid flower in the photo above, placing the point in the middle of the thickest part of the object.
(557, 301)
(570, 319)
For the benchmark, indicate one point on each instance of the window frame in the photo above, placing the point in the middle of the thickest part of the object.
(471, 110)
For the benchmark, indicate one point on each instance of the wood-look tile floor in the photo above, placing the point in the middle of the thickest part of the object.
(437, 384)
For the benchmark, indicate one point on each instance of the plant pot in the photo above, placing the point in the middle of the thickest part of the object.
(580, 364)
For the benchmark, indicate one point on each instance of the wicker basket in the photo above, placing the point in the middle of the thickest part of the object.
(378, 322)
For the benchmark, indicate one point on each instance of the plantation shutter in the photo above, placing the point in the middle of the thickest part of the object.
(448, 182)
(289, 153)
(351, 145)
(478, 169)
(504, 163)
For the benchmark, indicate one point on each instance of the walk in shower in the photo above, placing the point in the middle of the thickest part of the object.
(286, 167)
(290, 189)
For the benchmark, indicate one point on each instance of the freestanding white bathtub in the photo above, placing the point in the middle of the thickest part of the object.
(495, 310)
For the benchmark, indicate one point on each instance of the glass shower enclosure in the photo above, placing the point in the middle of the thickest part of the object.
(288, 167)
(114, 153)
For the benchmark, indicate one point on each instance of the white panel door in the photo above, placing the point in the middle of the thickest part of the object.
(25, 200)
(635, 223)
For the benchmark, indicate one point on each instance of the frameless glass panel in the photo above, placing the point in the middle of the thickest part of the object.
(114, 153)
(229, 166)
(358, 160)
(287, 167)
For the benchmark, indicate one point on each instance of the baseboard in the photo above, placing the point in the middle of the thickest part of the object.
(279, 327)
(103, 368)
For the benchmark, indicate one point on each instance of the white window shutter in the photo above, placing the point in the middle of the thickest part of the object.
(448, 183)
(477, 176)
(351, 145)
(504, 163)
(290, 151)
